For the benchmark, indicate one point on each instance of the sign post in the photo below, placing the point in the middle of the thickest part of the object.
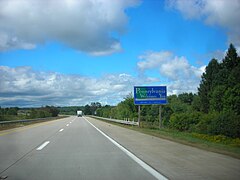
(148, 95)
(139, 115)
(160, 116)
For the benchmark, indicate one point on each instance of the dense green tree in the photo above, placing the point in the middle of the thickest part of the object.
(231, 100)
(43, 112)
(196, 104)
(231, 59)
(216, 98)
(234, 75)
(104, 111)
(225, 123)
(114, 113)
(186, 98)
(209, 81)
(51, 110)
(87, 110)
(177, 105)
(166, 114)
(185, 121)
(70, 110)
(94, 106)
(12, 111)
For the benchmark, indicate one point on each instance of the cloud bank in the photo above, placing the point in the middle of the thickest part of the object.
(223, 13)
(23, 86)
(181, 76)
(87, 25)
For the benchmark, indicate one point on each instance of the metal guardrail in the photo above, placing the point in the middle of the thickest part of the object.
(117, 120)
(26, 120)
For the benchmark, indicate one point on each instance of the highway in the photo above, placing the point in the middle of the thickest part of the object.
(174, 160)
(86, 148)
(70, 148)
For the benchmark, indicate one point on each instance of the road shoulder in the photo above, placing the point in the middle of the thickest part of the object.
(174, 160)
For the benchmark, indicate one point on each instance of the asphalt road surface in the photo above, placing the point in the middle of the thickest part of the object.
(69, 148)
(174, 160)
(86, 148)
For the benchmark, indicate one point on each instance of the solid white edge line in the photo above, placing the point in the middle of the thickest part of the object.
(152, 171)
(61, 130)
(43, 145)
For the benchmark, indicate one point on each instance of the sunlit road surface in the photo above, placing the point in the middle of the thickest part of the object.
(70, 148)
(85, 148)
(174, 160)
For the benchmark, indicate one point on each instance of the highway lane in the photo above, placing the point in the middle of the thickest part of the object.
(65, 149)
(16, 143)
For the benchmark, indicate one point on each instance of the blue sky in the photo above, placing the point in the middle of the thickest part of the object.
(100, 54)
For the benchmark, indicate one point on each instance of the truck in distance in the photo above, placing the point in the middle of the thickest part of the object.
(79, 113)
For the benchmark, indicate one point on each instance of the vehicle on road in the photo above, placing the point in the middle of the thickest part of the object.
(79, 113)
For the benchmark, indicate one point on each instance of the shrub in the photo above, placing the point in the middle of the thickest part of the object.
(203, 125)
(226, 123)
(185, 121)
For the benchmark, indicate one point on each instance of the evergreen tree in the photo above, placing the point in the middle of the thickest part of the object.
(209, 81)
(232, 64)
(231, 59)
(218, 79)
(231, 100)
(216, 100)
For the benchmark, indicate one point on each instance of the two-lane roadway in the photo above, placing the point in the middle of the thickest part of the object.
(70, 148)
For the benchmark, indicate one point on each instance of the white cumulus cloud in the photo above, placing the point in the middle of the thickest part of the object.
(84, 25)
(224, 13)
(181, 76)
(23, 86)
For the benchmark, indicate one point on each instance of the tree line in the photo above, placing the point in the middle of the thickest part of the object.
(214, 109)
(88, 109)
(15, 113)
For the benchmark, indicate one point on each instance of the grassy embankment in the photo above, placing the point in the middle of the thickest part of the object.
(219, 144)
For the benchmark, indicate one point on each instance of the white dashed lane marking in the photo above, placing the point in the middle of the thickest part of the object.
(43, 145)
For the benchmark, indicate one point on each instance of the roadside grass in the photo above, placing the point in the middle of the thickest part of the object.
(12, 117)
(21, 124)
(218, 144)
